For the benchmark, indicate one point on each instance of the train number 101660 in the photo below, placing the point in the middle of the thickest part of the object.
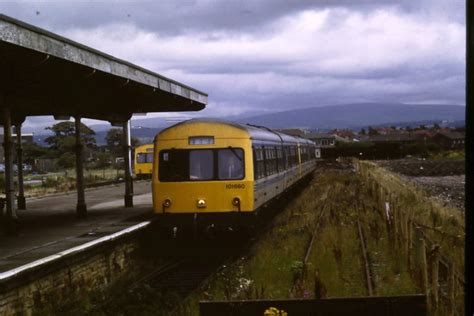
(235, 186)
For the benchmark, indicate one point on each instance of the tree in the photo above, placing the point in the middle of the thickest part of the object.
(63, 141)
(362, 132)
(32, 151)
(114, 139)
(373, 131)
(64, 136)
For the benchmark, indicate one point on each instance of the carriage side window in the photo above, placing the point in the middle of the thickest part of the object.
(259, 163)
(231, 164)
(280, 159)
(286, 151)
(293, 156)
(270, 160)
(304, 156)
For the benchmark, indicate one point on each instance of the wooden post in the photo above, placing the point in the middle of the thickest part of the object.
(402, 230)
(405, 235)
(409, 242)
(395, 217)
(424, 272)
(451, 289)
(435, 256)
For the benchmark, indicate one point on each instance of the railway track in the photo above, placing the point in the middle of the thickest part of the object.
(368, 272)
(186, 262)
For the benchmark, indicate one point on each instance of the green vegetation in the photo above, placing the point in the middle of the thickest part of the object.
(63, 141)
(450, 155)
(330, 207)
(275, 266)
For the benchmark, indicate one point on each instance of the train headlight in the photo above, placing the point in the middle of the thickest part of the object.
(167, 203)
(236, 202)
(201, 203)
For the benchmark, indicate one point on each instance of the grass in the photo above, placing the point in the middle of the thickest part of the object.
(57, 182)
(448, 155)
(329, 206)
(274, 267)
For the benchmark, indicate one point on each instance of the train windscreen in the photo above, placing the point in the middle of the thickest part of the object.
(144, 157)
(177, 165)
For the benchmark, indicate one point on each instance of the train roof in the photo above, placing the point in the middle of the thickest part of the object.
(255, 132)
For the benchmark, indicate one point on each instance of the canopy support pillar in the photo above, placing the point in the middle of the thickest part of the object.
(11, 218)
(19, 158)
(127, 147)
(81, 207)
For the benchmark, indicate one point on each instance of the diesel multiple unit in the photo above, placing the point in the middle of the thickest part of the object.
(143, 164)
(216, 172)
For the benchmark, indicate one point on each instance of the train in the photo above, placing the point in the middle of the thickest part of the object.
(143, 162)
(220, 173)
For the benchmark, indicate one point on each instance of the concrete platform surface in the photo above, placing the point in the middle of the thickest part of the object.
(49, 225)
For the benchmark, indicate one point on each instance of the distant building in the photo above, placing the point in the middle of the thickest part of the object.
(25, 139)
(322, 140)
(295, 131)
(449, 140)
(347, 134)
(395, 138)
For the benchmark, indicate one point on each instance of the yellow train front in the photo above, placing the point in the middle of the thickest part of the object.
(211, 172)
(143, 164)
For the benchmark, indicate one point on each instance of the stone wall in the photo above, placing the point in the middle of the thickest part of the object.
(50, 285)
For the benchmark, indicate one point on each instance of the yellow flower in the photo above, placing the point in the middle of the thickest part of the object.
(273, 311)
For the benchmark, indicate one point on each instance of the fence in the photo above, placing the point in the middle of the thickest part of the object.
(434, 272)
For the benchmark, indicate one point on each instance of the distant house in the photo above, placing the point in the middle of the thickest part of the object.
(396, 138)
(346, 134)
(295, 131)
(322, 140)
(449, 140)
(25, 139)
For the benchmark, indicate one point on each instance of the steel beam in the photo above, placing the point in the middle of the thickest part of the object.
(81, 207)
(11, 218)
(127, 147)
(19, 158)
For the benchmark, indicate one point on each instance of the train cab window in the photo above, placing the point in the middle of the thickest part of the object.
(230, 164)
(201, 164)
(144, 157)
(173, 166)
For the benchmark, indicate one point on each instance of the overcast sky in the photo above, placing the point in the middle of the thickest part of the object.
(273, 55)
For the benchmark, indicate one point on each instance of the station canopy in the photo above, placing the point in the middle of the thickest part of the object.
(42, 73)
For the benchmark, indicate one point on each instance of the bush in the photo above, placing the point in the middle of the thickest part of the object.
(67, 160)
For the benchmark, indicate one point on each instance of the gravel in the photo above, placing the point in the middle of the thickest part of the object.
(444, 180)
(448, 189)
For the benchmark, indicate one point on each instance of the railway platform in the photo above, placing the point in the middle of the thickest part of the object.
(49, 224)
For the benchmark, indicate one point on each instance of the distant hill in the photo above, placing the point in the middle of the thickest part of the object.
(355, 116)
(144, 134)
(358, 114)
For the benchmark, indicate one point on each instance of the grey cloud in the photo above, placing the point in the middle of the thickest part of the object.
(177, 17)
(430, 77)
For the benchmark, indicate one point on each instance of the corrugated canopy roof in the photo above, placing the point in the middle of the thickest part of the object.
(42, 73)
